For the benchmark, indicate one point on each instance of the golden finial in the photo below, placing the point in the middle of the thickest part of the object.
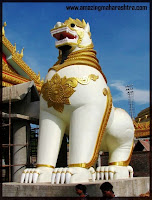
(22, 52)
(14, 49)
(15, 46)
(139, 119)
(42, 81)
(38, 76)
(3, 30)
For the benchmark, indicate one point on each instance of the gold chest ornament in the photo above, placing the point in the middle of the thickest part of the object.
(58, 90)
(85, 56)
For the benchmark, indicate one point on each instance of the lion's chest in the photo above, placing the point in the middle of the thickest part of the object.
(73, 87)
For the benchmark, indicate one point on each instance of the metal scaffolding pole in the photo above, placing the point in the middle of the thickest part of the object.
(10, 137)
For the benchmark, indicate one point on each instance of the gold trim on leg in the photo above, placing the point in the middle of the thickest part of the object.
(106, 92)
(124, 163)
(83, 165)
(103, 125)
(43, 165)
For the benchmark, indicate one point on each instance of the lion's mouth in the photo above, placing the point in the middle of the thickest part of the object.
(64, 36)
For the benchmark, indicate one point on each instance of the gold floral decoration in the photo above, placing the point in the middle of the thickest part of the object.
(58, 90)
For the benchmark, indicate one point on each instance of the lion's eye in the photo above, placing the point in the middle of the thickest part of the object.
(72, 25)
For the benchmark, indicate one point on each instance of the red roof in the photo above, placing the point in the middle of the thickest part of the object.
(146, 144)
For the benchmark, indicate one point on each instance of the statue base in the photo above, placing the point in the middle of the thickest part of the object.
(122, 188)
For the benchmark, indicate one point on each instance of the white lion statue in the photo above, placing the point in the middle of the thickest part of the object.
(75, 98)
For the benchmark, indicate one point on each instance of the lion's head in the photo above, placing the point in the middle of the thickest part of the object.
(72, 33)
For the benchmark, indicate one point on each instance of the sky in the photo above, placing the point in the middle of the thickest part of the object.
(120, 37)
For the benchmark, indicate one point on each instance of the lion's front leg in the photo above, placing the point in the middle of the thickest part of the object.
(50, 138)
(83, 141)
(83, 144)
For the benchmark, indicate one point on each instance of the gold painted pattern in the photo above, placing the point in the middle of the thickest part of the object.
(85, 56)
(35, 172)
(69, 21)
(100, 133)
(16, 57)
(43, 165)
(142, 133)
(8, 44)
(10, 79)
(102, 128)
(83, 165)
(86, 80)
(27, 69)
(6, 84)
(141, 125)
(13, 78)
(6, 67)
(78, 23)
(58, 90)
(3, 29)
(69, 172)
(141, 128)
(124, 163)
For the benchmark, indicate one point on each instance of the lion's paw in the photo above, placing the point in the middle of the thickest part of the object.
(114, 172)
(72, 175)
(34, 175)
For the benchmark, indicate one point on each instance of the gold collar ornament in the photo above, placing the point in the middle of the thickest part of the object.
(58, 90)
(85, 56)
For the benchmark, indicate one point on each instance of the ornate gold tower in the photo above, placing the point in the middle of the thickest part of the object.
(14, 69)
(142, 124)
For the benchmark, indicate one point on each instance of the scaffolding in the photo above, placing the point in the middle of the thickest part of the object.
(33, 145)
(7, 144)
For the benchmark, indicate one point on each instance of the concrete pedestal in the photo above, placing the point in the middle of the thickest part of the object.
(122, 188)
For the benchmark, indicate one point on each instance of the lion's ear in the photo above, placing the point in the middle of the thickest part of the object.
(87, 28)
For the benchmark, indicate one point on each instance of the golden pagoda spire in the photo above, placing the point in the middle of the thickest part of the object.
(42, 81)
(22, 52)
(38, 76)
(15, 47)
(3, 30)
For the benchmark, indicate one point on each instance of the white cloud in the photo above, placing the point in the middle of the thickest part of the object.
(140, 96)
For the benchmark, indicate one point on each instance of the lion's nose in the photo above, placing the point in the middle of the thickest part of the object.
(58, 24)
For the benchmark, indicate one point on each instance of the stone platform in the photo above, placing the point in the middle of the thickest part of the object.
(122, 188)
